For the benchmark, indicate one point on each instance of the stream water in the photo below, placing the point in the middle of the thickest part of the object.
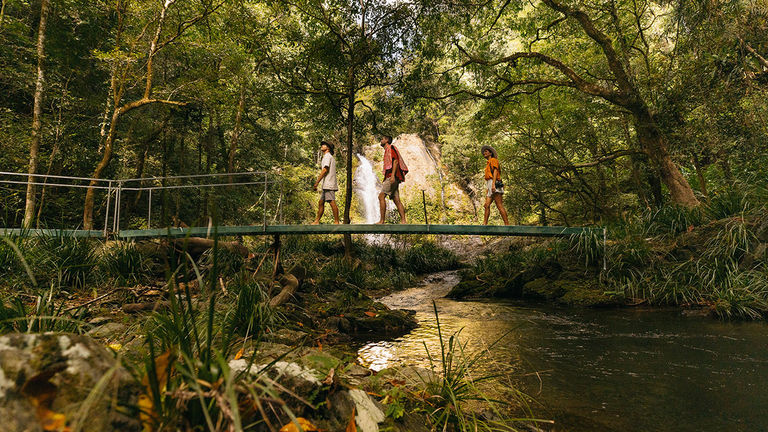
(600, 370)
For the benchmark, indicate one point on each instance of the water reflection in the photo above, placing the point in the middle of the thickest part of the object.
(601, 370)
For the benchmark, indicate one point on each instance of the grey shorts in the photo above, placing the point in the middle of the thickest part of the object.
(488, 190)
(328, 195)
(391, 188)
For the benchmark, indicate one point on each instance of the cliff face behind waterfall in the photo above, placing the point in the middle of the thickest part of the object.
(425, 173)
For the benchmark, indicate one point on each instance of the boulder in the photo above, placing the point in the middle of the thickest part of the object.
(46, 375)
(108, 330)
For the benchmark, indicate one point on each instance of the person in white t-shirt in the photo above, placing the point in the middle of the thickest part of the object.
(329, 184)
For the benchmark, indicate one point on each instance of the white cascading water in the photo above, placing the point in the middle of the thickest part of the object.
(367, 190)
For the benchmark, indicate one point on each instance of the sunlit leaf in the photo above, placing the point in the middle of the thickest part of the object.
(351, 427)
(304, 424)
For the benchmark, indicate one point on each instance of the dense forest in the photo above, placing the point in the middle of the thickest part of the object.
(599, 110)
(643, 122)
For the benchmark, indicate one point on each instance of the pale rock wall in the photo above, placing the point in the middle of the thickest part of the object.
(423, 160)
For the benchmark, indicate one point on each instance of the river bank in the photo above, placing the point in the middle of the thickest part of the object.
(597, 369)
(673, 257)
(211, 344)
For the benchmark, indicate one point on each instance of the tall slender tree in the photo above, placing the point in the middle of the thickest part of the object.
(121, 71)
(37, 112)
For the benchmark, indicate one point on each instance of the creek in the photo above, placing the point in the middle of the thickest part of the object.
(599, 369)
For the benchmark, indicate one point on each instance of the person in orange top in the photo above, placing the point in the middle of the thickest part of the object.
(493, 185)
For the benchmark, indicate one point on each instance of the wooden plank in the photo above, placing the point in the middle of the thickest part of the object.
(490, 230)
(5, 232)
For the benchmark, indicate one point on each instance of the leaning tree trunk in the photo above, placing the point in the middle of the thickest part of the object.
(34, 146)
(652, 142)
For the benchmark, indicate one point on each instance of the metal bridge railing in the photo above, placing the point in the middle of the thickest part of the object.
(113, 204)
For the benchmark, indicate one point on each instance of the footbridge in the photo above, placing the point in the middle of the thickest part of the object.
(276, 230)
(195, 197)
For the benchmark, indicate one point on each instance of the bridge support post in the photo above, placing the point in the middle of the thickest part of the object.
(277, 268)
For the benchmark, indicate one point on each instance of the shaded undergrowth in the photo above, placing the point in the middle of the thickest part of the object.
(713, 257)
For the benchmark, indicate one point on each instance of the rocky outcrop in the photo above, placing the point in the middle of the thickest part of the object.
(63, 379)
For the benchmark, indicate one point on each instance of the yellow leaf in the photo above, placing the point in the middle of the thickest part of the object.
(146, 413)
(239, 354)
(351, 427)
(305, 425)
(371, 314)
(52, 421)
(115, 346)
(163, 368)
(41, 393)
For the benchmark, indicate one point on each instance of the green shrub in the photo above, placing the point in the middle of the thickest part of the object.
(726, 204)
(588, 246)
(250, 315)
(428, 257)
(125, 264)
(45, 316)
(68, 260)
(227, 262)
(745, 296)
(670, 220)
(11, 254)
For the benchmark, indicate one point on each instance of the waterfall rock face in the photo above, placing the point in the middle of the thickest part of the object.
(425, 173)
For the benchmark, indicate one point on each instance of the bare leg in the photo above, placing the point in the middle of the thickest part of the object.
(335, 212)
(500, 206)
(400, 208)
(320, 211)
(487, 207)
(382, 207)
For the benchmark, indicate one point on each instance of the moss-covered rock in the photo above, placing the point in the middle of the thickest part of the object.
(543, 288)
(467, 289)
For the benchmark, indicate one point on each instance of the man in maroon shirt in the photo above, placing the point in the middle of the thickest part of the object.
(394, 174)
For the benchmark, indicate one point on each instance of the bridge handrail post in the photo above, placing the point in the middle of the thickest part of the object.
(118, 199)
(149, 210)
(106, 213)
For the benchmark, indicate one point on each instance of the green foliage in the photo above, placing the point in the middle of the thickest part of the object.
(745, 296)
(428, 257)
(227, 261)
(125, 264)
(11, 256)
(732, 202)
(46, 315)
(589, 246)
(670, 220)
(189, 380)
(68, 260)
(251, 315)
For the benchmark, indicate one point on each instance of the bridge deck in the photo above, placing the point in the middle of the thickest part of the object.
(490, 230)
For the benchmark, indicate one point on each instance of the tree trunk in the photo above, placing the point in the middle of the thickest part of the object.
(37, 111)
(350, 137)
(236, 133)
(652, 142)
(2, 14)
(90, 194)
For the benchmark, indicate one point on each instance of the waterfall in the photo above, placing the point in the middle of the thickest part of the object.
(367, 190)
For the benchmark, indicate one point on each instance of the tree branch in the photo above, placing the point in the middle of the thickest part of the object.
(576, 80)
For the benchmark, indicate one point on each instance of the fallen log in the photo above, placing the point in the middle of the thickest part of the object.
(290, 282)
(195, 246)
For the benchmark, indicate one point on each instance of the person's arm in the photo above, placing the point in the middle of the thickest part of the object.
(320, 178)
(494, 176)
(394, 168)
